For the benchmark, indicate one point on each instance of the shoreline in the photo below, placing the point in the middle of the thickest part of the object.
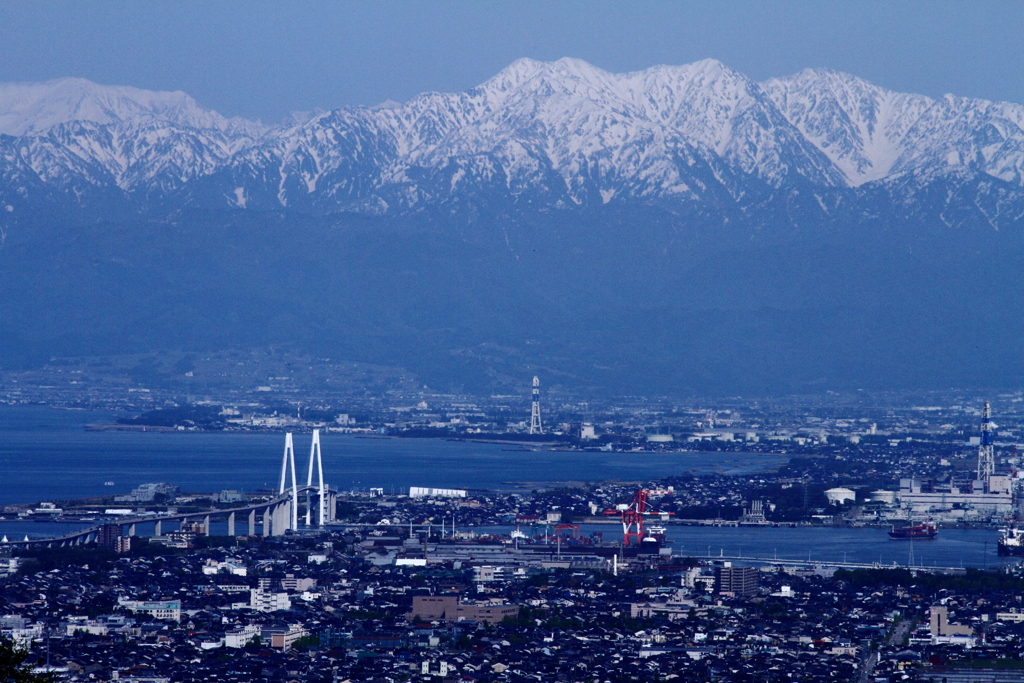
(524, 446)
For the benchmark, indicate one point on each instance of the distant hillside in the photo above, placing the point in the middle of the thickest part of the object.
(677, 230)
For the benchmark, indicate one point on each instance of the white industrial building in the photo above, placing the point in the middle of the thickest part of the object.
(242, 636)
(158, 609)
(231, 566)
(423, 492)
(924, 495)
(262, 600)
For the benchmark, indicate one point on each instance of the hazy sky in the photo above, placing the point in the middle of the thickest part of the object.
(264, 59)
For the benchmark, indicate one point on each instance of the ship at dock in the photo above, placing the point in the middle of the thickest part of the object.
(924, 530)
(1011, 542)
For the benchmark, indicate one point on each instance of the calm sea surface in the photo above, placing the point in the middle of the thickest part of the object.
(46, 454)
(951, 548)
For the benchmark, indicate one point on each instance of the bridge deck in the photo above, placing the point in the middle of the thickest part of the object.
(153, 519)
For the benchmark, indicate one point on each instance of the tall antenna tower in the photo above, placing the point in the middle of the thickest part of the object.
(289, 459)
(986, 451)
(535, 427)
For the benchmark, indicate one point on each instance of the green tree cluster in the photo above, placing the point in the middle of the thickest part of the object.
(13, 668)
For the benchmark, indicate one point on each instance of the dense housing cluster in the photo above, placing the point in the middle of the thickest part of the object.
(529, 583)
(343, 605)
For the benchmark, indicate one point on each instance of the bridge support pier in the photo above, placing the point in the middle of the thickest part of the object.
(158, 528)
(206, 525)
(332, 506)
(272, 527)
(131, 530)
(231, 524)
(252, 523)
(281, 518)
(266, 521)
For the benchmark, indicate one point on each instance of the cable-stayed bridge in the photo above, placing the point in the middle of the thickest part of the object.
(273, 517)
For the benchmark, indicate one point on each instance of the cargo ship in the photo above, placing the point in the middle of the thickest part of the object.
(918, 531)
(1011, 542)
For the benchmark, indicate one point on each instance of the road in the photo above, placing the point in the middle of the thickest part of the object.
(867, 667)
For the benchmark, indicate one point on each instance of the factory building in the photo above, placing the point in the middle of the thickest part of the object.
(987, 494)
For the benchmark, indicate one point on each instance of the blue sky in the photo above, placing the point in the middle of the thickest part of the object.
(264, 59)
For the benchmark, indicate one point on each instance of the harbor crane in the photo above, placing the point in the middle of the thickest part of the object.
(633, 514)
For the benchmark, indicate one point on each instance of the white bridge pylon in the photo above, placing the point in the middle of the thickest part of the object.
(288, 464)
(314, 453)
(289, 459)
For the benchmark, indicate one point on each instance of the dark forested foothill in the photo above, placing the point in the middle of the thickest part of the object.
(972, 580)
(204, 417)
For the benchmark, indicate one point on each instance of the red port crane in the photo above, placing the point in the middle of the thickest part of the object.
(633, 517)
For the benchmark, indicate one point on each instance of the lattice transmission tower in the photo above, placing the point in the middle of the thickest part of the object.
(986, 451)
(535, 426)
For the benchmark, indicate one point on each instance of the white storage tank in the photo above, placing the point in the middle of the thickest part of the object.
(887, 497)
(838, 496)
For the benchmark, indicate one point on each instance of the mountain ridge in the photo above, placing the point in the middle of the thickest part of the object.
(680, 229)
(28, 108)
(566, 131)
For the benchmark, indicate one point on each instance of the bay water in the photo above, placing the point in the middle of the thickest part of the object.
(48, 454)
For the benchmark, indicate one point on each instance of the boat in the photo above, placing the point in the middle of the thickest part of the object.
(922, 530)
(1011, 542)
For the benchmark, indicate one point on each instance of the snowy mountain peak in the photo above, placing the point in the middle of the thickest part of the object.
(557, 133)
(513, 75)
(32, 108)
(861, 127)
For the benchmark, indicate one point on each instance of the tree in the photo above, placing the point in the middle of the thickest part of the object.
(12, 665)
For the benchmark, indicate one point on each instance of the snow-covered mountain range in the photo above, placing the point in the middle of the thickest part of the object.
(32, 108)
(678, 229)
(562, 133)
